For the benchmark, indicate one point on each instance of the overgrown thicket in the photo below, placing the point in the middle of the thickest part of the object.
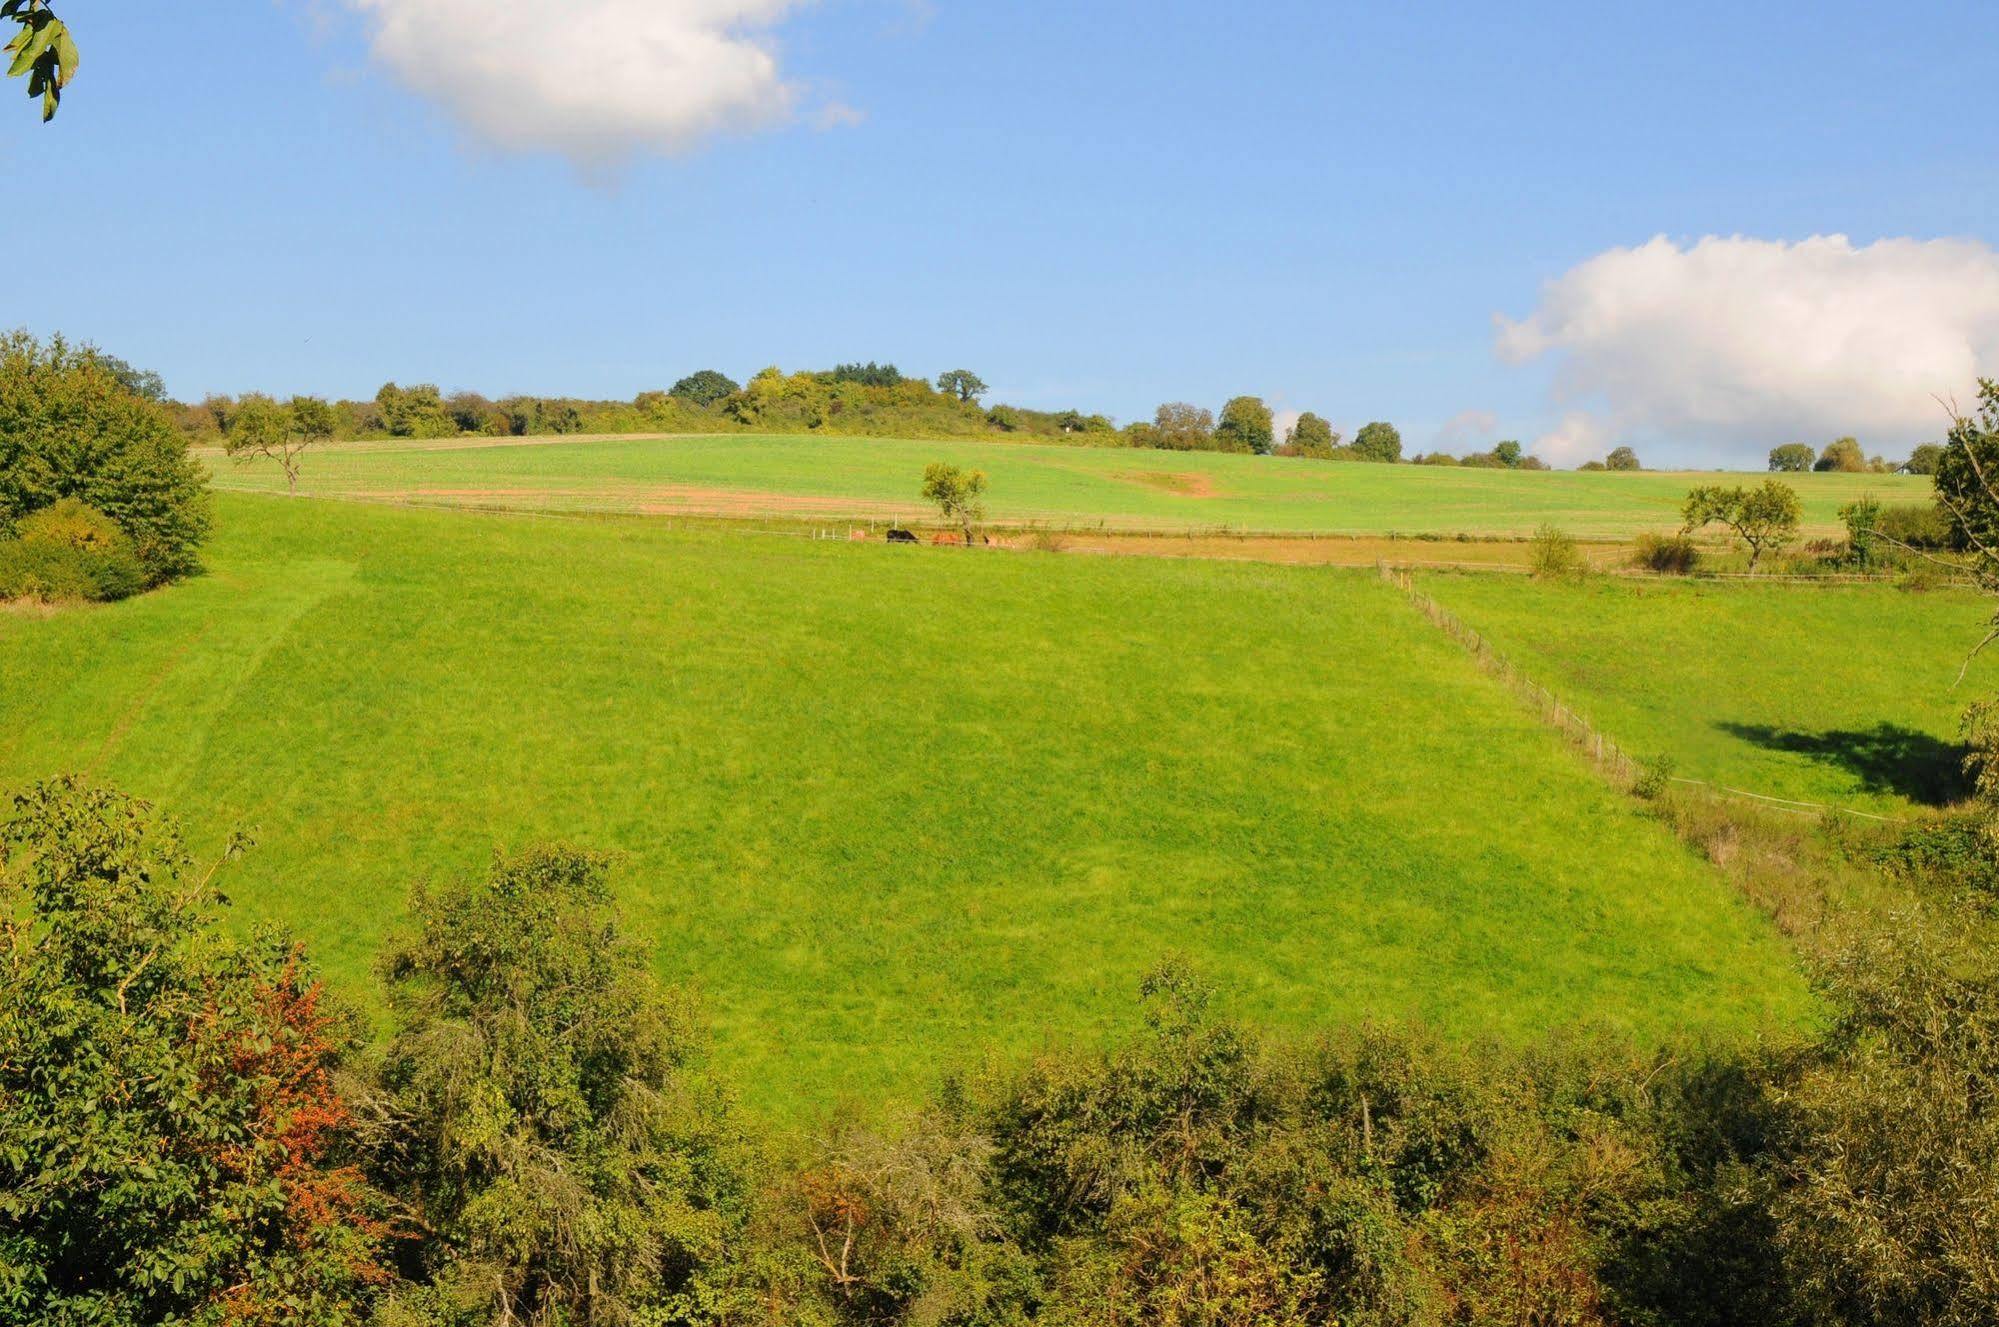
(190, 1133)
(98, 496)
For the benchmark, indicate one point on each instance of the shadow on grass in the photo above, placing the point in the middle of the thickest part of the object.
(1886, 758)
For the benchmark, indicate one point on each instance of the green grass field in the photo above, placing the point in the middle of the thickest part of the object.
(1846, 695)
(833, 477)
(885, 806)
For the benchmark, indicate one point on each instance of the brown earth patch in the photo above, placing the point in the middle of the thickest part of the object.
(1171, 481)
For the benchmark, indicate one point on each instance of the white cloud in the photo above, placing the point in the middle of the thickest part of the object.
(1283, 421)
(1580, 437)
(1731, 345)
(595, 80)
(1467, 430)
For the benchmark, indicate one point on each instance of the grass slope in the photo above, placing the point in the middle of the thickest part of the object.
(862, 477)
(1838, 694)
(884, 806)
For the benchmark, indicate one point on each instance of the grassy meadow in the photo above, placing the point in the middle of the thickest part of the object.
(1840, 694)
(873, 478)
(885, 806)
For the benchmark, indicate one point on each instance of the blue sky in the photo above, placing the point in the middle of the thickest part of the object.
(1099, 204)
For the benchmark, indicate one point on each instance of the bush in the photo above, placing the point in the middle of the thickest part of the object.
(1670, 554)
(66, 552)
(1914, 525)
(69, 428)
(1555, 554)
(1655, 778)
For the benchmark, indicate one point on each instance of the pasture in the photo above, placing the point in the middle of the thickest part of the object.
(1839, 694)
(887, 808)
(833, 478)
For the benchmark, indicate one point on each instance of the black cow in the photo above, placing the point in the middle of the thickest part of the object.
(901, 537)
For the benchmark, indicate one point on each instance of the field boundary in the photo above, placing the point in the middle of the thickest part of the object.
(1610, 759)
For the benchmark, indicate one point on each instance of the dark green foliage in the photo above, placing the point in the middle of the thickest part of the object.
(1967, 476)
(1920, 526)
(1952, 855)
(869, 374)
(705, 387)
(1377, 442)
(42, 49)
(1622, 458)
(69, 428)
(1311, 436)
(541, 1112)
(143, 383)
(1923, 460)
(1507, 453)
(1791, 458)
(67, 551)
(1674, 554)
(1862, 520)
(168, 1123)
(1245, 426)
(964, 384)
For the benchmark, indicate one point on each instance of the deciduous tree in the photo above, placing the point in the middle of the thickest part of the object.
(281, 433)
(1622, 458)
(1245, 426)
(1843, 455)
(705, 387)
(1792, 458)
(1377, 442)
(1765, 517)
(957, 494)
(964, 384)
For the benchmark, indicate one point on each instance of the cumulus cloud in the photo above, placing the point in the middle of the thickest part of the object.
(595, 80)
(1467, 430)
(1733, 343)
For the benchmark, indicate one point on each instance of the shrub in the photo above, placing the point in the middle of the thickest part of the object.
(69, 428)
(1553, 553)
(1919, 525)
(1670, 554)
(66, 552)
(1655, 778)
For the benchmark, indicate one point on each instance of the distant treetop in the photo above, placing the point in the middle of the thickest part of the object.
(705, 387)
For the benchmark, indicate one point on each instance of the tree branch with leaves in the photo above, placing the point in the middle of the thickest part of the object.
(1765, 517)
(42, 51)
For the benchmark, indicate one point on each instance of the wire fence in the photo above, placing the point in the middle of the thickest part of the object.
(1616, 764)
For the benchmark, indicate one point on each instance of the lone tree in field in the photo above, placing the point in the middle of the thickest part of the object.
(956, 493)
(42, 49)
(964, 384)
(1791, 458)
(1765, 517)
(1622, 458)
(262, 427)
(1377, 442)
(1246, 426)
(1842, 455)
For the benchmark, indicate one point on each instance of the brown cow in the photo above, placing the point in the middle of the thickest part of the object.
(947, 539)
(854, 536)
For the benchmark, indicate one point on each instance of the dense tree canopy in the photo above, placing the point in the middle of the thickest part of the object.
(71, 428)
(168, 1118)
(1245, 426)
(964, 384)
(1311, 436)
(1843, 455)
(705, 387)
(1792, 457)
(1178, 426)
(1377, 442)
(1622, 458)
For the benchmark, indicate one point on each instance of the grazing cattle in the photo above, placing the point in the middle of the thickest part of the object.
(947, 539)
(855, 536)
(901, 537)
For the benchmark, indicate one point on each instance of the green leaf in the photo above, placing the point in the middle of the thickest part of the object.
(66, 51)
(30, 51)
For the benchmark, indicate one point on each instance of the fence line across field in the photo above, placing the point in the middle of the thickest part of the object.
(1610, 758)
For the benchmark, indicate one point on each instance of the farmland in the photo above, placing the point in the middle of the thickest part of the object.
(835, 478)
(1846, 695)
(890, 809)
